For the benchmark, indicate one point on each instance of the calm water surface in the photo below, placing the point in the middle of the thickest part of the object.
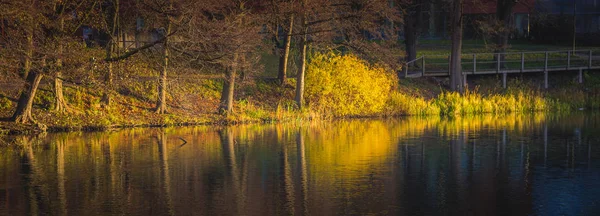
(509, 165)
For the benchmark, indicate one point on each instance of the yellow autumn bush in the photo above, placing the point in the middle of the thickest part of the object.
(345, 85)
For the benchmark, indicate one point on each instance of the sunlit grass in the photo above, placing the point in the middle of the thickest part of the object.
(473, 103)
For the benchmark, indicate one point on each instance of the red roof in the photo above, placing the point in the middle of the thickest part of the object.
(489, 6)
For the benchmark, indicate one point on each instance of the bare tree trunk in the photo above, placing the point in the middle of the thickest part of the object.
(110, 49)
(412, 25)
(456, 76)
(22, 114)
(108, 77)
(283, 59)
(226, 106)
(242, 66)
(575, 24)
(59, 99)
(504, 10)
(302, 71)
(28, 53)
(161, 104)
(410, 40)
(277, 46)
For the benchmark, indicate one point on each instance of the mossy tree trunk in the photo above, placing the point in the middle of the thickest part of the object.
(283, 59)
(300, 76)
(456, 79)
(226, 106)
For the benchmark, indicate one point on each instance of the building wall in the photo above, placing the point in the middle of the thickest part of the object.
(587, 12)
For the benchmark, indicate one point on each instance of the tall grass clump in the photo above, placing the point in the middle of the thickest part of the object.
(472, 102)
(346, 85)
(404, 104)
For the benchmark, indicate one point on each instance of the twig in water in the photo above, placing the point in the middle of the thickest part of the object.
(184, 142)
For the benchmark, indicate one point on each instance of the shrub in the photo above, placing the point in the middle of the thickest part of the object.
(346, 85)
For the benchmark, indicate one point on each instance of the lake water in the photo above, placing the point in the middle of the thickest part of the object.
(503, 165)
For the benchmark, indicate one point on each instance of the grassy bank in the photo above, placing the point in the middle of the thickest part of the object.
(340, 88)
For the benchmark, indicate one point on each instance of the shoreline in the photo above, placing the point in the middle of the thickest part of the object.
(14, 129)
(260, 102)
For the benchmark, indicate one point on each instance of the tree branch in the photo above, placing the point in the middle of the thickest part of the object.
(136, 50)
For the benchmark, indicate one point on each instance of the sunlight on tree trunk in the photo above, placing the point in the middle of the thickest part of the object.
(302, 71)
(283, 59)
(24, 106)
(227, 94)
(161, 104)
(59, 99)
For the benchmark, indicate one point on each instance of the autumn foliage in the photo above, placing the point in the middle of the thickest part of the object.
(345, 85)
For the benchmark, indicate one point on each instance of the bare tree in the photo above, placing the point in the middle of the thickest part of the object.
(38, 32)
(504, 17)
(413, 21)
(161, 103)
(283, 59)
(281, 14)
(221, 35)
(111, 22)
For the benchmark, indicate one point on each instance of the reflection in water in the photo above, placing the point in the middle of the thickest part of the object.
(485, 165)
(164, 170)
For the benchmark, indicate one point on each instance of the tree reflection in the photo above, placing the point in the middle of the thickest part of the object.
(163, 156)
(473, 165)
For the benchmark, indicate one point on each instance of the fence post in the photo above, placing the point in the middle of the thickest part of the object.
(568, 60)
(522, 62)
(498, 63)
(504, 80)
(423, 66)
(474, 63)
(546, 62)
(580, 76)
(449, 59)
(546, 71)
(545, 79)
(405, 71)
(590, 60)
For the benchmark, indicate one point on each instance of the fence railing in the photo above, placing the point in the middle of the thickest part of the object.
(510, 62)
